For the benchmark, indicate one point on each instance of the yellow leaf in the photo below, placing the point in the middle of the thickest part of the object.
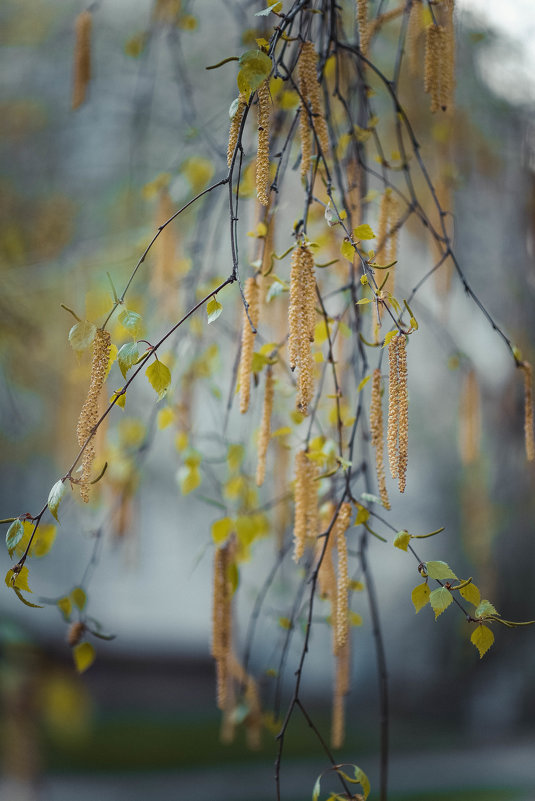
(113, 356)
(285, 623)
(120, 396)
(65, 606)
(79, 598)
(356, 586)
(18, 580)
(471, 594)
(165, 417)
(347, 250)
(198, 171)
(420, 596)
(363, 382)
(181, 441)
(282, 432)
(84, 656)
(190, 480)
(42, 542)
(289, 99)
(235, 456)
(159, 377)
(363, 232)
(221, 530)
(482, 637)
(401, 540)
(255, 68)
(131, 432)
(440, 599)
(234, 487)
(355, 619)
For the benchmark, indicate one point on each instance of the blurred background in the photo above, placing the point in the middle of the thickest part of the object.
(80, 197)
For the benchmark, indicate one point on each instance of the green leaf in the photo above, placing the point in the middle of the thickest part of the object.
(221, 530)
(471, 594)
(363, 232)
(363, 515)
(439, 570)
(255, 68)
(213, 310)
(127, 357)
(347, 250)
(82, 335)
(233, 107)
(402, 539)
(316, 790)
(363, 301)
(14, 535)
(363, 780)
(420, 596)
(65, 606)
(84, 656)
(18, 580)
(132, 321)
(484, 609)
(79, 598)
(159, 376)
(273, 7)
(55, 496)
(482, 638)
(440, 599)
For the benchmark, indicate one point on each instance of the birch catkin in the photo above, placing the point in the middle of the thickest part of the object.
(306, 503)
(528, 411)
(362, 24)
(89, 414)
(377, 436)
(222, 621)
(235, 125)
(311, 107)
(342, 612)
(262, 157)
(393, 408)
(341, 688)
(439, 79)
(403, 414)
(301, 321)
(247, 342)
(265, 428)
(82, 58)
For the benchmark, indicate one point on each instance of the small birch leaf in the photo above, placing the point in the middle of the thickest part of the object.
(401, 540)
(440, 599)
(14, 535)
(471, 594)
(482, 637)
(159, 376)
(420, 596)
(127, 357)
(439, 570)
(82, 335)
(213, 310)
(55, 496)
(84, 656)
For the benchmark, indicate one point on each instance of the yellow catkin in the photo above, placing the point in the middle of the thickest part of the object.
(528, 411)
(235, 125)
(247, 342)
(306, 521)
(222, 620)
(265, 429)
(89, 414)
(447, 67)
(341, 688)
(439, 80)
(362, 24)
(326, 572)
(300, 497)
(311, 108)
(82, 58)
(414, 31)
(393, 408)
(301, 321)
(377, 436)
(403, 414)
(262, 157)
(342, 589)
(469, 419)
(75, 633)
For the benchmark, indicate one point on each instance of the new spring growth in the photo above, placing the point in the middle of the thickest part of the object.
(262, 156)
(89, 414)
(377, 436)
(306, 503)
(82, 58)
(247, 342)
(301, 323)
(311, 117)
(398, 410)
(235, 124)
